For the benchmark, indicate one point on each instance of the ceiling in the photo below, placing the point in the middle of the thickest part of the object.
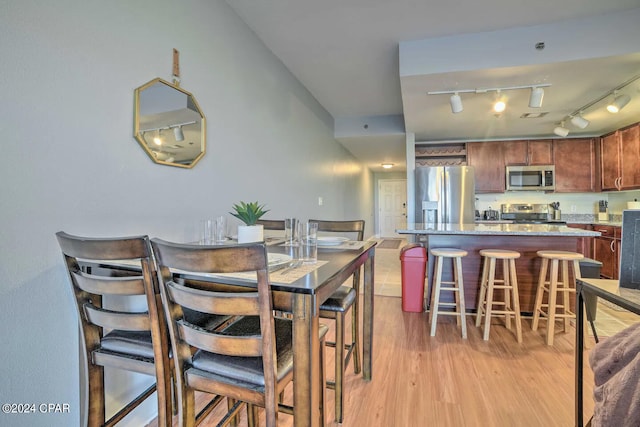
(370, 64)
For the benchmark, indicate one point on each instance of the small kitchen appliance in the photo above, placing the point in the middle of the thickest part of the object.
(530, 178)
(527, 213)
(603, 210)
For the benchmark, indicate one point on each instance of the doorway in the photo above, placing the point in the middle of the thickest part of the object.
(392, 206)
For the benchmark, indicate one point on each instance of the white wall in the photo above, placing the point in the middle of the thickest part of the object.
(69, 161)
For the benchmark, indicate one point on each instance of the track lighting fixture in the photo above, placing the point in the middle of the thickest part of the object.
(456, 103)
(535, 99)
(561, 130)
(618, 102)
(579, 121)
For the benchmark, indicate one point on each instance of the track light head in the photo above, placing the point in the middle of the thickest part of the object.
(535, 99)
(499, 106)
(579, 121)
(561, 130)
(618, 103)
(456, 103)
(177, 132)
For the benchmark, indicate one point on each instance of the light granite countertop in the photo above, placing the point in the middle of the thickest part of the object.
(499, 229)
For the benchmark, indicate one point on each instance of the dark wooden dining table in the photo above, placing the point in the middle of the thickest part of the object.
(302, 298)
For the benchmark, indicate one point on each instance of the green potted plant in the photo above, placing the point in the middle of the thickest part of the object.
(249, 214)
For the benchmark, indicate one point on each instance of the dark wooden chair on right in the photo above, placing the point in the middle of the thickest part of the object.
(251, 359)
(336, 307)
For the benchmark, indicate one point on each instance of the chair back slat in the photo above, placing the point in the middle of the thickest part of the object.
(355, 226)
(272, 224)
(212, 302)
(199, 259)
(108, 285)
(116, 319)
(245, 346)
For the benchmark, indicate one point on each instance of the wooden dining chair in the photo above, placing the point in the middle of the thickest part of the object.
(133, 340)
(336, 307)
(250, 360)
(272, 224)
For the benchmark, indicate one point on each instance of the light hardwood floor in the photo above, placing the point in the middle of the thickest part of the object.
(444, 380)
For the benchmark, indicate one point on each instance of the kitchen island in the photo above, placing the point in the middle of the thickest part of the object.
(524, 238)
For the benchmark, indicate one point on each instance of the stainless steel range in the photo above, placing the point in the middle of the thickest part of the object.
(527, 213)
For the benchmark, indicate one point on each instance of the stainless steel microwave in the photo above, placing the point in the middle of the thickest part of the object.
(531, 178)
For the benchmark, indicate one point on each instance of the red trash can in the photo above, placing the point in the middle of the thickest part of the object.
(413, 260)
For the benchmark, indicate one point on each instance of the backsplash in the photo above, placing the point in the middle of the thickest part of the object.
(573, 206)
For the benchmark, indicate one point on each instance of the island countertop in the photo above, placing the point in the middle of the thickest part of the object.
(550, 230)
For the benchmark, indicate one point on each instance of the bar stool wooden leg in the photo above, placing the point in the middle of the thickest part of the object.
(483, 291)
(516, 299)
(460, 296)
(540, 293)
(435, 294)
(551, 306)
(489, 301)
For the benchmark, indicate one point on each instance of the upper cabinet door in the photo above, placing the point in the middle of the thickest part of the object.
(515, 153)
(528, 153)
(487, 161)
(575, 162)
(630, 158)
(541, 152)
(610, 161)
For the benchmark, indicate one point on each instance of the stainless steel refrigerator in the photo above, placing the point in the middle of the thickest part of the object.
(445, 194)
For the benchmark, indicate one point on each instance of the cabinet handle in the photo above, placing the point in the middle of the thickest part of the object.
(603, 231)
(613, 249)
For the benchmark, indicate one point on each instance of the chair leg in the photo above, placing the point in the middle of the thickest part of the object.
(96, 399)
(551, 308)
(435, 295)
(516, 299)
(539, 293)
(321, 383)
(483, 292)
(461, 305)
(355, 323)
(339, 367)
(487, 311)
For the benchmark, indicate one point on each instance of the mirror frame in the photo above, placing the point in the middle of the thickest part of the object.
(140, 138)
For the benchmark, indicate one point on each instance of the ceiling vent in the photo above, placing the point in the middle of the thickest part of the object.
(534, 115)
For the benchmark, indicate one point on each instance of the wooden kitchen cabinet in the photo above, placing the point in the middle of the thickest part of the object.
(585, 244)
(619, 158)
(606, 249)
(487, 161)
(575, 165)
(528, 152)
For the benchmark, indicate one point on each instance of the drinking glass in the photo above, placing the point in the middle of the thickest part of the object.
(220, 232)
(207, 231)
(309, 242)
(291, 235)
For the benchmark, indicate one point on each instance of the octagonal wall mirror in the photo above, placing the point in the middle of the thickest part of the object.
(169, 124)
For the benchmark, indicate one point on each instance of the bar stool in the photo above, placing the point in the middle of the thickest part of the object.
(552, 287)
(457, 288)
(508, 283)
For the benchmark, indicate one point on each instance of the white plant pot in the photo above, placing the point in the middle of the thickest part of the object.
(250, 233)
